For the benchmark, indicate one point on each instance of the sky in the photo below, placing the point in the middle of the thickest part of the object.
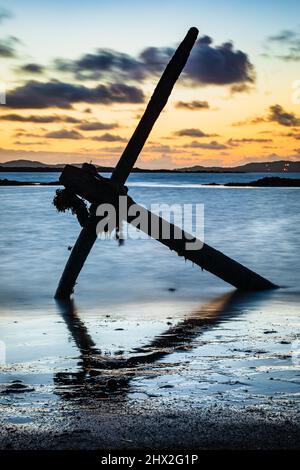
(78, 76)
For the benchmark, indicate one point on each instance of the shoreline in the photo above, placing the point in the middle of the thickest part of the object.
(269, 182)
(203, 428)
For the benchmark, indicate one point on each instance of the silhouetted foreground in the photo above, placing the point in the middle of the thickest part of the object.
(7, 182)
(267, 182)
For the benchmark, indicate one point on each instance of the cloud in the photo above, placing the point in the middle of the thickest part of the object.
(34, 94)
(207, 64)
(289, 40)
(154, 59)
(32, 68)
(166, 149)
(286, 35)
(22, 133)
(193, 133)
(104, 63)
(240, 88)
(292, 56)
(4, 14)
(163, 161)
(64, 134)
(278, 114)
(295, 135)
(112, 150)
(97, 126)
(213, 145)
(250, 140)
(18, 142)
(192, 105)
(107, 137)
(53, 118)
(109, 64)
(39, 119)
(8, 47)
(254, 120)
(158, 148)
(218, 65)
(71, 134)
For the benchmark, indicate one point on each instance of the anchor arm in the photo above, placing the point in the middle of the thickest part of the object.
(207, 257)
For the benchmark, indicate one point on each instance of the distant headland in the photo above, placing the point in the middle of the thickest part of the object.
(282, 166)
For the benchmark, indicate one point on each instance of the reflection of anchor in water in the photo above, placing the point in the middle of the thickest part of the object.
(101, 377)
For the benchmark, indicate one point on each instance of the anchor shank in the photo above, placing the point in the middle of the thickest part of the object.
(155, 106)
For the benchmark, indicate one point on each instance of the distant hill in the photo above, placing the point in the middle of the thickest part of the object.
(23, 163)
(282, 166)
(29, 165)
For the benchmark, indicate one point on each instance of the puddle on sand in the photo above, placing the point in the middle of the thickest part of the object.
(19, 420)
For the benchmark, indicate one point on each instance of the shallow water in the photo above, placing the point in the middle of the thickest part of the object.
(156, 325)
(159, 180)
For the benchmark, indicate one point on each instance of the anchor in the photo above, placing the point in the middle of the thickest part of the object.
(85, 184)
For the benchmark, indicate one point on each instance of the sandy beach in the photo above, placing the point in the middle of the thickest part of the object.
(208, 381)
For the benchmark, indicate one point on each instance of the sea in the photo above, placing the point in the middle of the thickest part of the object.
(184, 335)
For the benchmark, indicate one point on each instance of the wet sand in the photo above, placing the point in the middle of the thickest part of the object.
(209, 379)
(215, 427)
